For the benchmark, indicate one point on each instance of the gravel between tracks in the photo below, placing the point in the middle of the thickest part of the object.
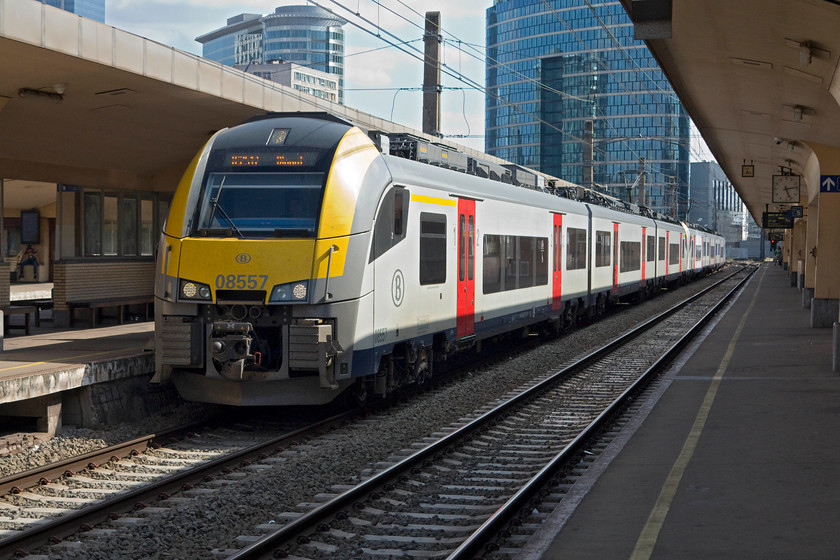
(193, 529)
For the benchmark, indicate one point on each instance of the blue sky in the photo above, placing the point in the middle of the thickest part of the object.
(178, 22)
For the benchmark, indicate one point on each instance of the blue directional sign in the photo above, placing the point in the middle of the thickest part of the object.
(829, 183)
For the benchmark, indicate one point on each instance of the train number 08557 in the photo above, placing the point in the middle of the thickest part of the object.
(241, 281)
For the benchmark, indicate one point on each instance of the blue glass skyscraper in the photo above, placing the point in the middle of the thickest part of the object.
(91, 9)
(553, 65)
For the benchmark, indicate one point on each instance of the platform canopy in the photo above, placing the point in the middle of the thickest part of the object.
(85, 103)
(758, 78)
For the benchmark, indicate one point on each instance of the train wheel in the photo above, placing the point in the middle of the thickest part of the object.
(421, 368)
(358, 394)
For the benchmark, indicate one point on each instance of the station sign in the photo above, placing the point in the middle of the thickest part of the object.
(830, 183)
(772, 220)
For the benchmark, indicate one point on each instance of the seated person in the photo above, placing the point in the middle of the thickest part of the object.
(28, 256)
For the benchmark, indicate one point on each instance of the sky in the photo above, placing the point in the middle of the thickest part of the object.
(373, 70)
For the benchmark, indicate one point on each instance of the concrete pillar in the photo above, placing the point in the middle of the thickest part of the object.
(825, 306)
(797, 250)
(787, 256)
(810, 261)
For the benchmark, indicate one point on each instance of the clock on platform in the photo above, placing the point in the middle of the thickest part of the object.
(786, 188)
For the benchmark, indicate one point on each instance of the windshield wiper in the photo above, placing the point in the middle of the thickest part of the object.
(214, 202)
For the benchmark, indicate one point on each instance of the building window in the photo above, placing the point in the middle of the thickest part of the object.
(121, 224)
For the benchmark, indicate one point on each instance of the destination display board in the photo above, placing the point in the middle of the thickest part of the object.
(776, 220)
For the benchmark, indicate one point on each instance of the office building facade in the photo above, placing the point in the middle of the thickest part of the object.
(295, 76)
(309, 36)
(91, 9)
(571, 93)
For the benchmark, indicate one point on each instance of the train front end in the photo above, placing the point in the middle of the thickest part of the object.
(260, 264)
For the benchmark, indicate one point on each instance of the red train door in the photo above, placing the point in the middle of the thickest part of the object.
(465, 324)
(644, 253)
(556, 282)
(615, 258)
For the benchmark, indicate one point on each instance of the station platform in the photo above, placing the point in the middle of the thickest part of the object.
(736, 458)
(45, 375)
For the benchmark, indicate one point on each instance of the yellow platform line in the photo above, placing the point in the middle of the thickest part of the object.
(653, 526)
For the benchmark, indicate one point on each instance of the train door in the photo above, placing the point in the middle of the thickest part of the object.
(615, 258)
(465, 325)
(556, 281)
(644, 252)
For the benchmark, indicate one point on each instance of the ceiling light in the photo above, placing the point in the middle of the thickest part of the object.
(28, 92)
(805, 54)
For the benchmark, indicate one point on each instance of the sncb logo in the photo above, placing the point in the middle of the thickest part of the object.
(243, 258)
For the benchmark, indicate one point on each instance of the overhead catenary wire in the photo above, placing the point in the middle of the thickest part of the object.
(458, 75)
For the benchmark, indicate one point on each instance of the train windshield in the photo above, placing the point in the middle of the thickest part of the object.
(261, 204)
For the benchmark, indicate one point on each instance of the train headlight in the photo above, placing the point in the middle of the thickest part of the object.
(194, 290)
(293, 292)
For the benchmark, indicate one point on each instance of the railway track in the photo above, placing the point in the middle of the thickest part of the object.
(464, 492)
(49, 503)
(438, 523)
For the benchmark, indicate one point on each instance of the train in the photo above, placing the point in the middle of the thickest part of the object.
(305, 258)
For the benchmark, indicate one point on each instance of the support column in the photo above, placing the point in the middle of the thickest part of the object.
(810, 261)
(825, 306)
(787, 256)
(797, 250)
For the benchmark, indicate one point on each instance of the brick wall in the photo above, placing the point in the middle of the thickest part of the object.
(76, 281)
(5, 283)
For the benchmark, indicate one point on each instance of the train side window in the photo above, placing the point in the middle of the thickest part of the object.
(492, 264)
(391, 222)
(575, 248)
(471, 248)
(462, 241)
(661, 254)
(603, 248)
(674, 254)
(541, 266)
(651, 248)
(432, 248)
(631, 256)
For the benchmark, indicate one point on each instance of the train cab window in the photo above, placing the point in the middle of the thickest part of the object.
(260, 205)
(575, 248)
(432, 248)
(603, 248)
(391, 222)
(661, 254)
(650, 254)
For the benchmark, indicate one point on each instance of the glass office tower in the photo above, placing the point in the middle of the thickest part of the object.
(564, 75)
(91, 9)
(306, 35)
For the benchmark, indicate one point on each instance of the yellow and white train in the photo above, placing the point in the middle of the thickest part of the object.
(300, 261)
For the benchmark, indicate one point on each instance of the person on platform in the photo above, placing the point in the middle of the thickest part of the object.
(28, 256)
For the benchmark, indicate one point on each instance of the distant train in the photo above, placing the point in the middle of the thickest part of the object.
(299, 261)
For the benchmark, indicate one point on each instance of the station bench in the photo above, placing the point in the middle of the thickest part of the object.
(121, 303)
(26, 310)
